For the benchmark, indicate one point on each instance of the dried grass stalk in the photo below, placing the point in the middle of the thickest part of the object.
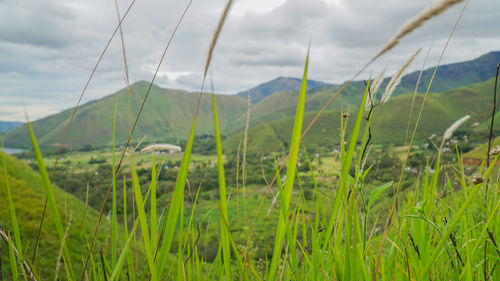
(216, 35)
(373, 90)
(416, 22)
(397, 78)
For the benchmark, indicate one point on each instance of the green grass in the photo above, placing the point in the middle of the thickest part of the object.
(28, 199)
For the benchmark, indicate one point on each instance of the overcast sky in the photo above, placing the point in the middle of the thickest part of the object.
(49, 47)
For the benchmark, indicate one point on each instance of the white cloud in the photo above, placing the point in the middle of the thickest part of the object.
(256, 6)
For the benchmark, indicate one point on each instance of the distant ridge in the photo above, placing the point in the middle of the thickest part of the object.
(282, 104)
(451, 76)
(6, 126)
(277, 85)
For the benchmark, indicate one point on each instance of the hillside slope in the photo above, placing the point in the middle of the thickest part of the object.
(168, 114)
(452, 75)
(390, 121)
(29, 198)
(282, 104)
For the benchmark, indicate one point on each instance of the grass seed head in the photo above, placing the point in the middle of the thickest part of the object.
(418, 21)
(397, 78)
(449, 132)
(374, 88)
(216, 35)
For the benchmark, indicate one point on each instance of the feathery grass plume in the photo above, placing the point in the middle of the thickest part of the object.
(216, 35)
(244, 159)
(416, 22)
(415, 93)
(397, 78)
(378, 81)
(449, 132)
(373, 90)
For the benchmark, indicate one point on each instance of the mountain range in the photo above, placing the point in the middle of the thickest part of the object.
(457, 89)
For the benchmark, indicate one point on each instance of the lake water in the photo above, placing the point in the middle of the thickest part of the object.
(12, 150)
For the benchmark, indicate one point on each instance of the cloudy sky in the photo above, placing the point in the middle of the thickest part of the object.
(49, 47)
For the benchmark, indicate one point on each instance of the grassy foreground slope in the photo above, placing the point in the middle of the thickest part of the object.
(29, 198)
(167, 114)
(390, 121)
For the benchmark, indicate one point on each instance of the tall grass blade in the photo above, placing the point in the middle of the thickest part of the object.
(114, 231)
(13, 261)
(346, 164)
(176, 204)
(12, 210)
(224, 221)
(121, 259)
(290, 175)
(154, 230)
(51, 199)
(143, 222)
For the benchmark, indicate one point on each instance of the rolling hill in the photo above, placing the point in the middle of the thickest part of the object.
(452, 75)
(390, 120)
(282, 104)
(167, 115)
